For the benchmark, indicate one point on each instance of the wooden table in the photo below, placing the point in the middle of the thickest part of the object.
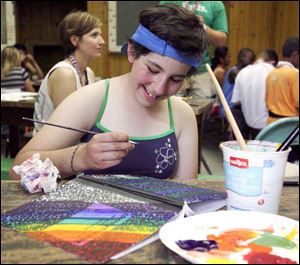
(18, 248)
(11, 114)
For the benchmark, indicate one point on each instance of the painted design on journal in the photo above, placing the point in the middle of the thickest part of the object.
(94, 231)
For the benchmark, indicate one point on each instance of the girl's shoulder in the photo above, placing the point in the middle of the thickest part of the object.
(219, 70)
(94, 92)
(62, 71)
(183, 115)
(182, 111)
(88, 101)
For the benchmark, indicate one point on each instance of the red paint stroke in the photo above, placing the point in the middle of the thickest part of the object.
(266, 258)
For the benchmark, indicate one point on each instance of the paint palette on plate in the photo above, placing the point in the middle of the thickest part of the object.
(235, 237)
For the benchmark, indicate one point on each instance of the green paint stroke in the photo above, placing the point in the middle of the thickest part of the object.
(267, 239)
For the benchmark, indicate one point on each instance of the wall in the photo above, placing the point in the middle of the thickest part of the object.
(8, 27)
(261, 25)
(37, 27)
(38, 20)
(110, 64)
(257, 25)
(286, 21)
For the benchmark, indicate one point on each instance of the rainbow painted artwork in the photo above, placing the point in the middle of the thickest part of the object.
(234, 237)
(88, 220)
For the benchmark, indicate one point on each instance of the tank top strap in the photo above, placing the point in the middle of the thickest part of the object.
(104, 101)
(170, 114)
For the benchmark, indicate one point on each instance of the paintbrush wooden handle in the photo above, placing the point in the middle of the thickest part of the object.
(227, 110)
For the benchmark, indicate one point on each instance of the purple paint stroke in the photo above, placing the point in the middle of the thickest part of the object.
(198, 245)
(44, 213)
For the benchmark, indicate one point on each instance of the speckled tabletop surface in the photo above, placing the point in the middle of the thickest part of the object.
(18, 248)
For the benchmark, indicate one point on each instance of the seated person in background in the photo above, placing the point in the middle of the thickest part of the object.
(140, 105)
(250, 89)
(219, 63)
(282, 87)
(245, 57)
(81, 38)
(14, 78)
(29, 63)
(282, 95)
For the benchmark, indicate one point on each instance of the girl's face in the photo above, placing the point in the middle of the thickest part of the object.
(227, 59)
(22, 55)
(156, 77)
(91, 43)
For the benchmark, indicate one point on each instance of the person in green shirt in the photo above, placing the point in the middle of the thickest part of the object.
(213, 16)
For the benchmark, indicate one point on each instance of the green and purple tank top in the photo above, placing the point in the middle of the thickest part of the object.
(154, 156)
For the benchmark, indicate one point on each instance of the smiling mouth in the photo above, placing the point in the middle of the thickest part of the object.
(149, 94)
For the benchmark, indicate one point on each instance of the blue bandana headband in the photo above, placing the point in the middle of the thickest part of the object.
(146, 38)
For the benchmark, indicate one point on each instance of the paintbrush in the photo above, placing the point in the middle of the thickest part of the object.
(67, 128)
(230, 118)
(289, 140)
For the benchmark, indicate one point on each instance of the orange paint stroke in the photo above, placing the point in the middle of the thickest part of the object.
(260, 248)
(232, 240)
(70, 236)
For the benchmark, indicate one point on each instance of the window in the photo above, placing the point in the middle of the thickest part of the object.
(8, 29)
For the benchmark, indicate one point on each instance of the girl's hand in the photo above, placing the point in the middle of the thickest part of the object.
(104, 150)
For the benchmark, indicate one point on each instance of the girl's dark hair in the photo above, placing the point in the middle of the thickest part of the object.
(177, 26)
(21, 47)
(289, 46)
(246, 56)
(219, 53)
(271, 56)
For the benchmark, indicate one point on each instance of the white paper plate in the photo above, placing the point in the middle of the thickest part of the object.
(272, 235)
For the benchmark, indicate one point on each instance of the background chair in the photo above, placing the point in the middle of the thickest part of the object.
(278, 130)
(5, 140)
(6, 164)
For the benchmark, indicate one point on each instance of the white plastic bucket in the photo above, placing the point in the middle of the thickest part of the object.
(254, 178)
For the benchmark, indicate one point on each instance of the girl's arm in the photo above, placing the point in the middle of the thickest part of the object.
(28, 86)
(187, 133)
(79, 110)
(32, 66)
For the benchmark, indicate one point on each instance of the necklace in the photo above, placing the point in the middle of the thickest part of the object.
(75, 65)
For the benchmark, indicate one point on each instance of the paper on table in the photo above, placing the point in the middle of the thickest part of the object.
(102, 221)
(204, 207)
(17, 96)
(291, 172)
(197, 201)
(88, 220)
